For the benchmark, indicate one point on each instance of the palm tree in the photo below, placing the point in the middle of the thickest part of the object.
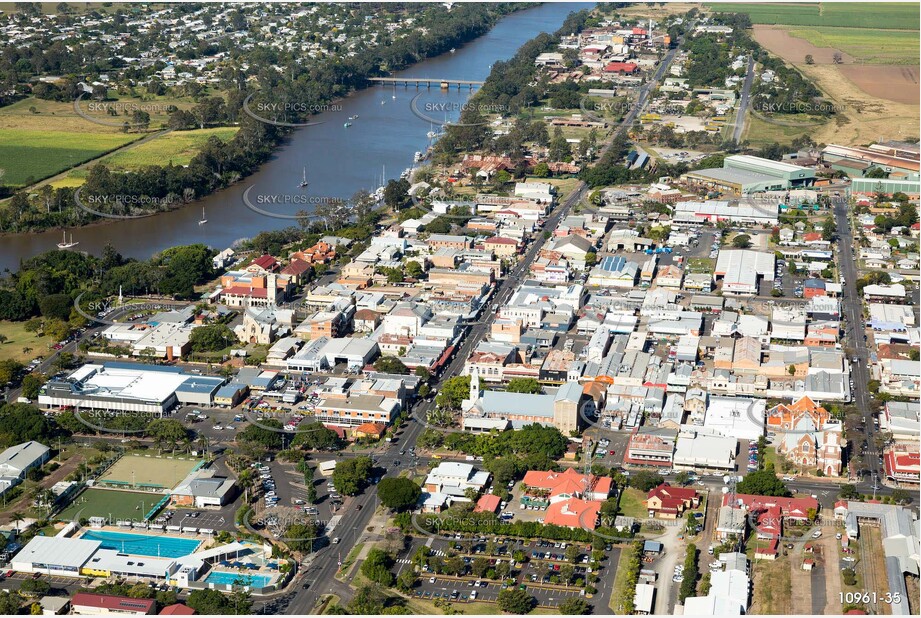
(17, 517)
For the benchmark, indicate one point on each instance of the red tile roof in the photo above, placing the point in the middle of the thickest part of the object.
(295, 267)
(796, 508)
(177, 609)
(567, 482)
(487, 504)
(265, 261)
(620, 67)
(574, 513)
(110, 602)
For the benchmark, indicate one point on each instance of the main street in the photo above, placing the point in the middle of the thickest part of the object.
(854, 332)
(325, 563)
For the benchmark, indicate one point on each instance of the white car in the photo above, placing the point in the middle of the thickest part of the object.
(817, 534)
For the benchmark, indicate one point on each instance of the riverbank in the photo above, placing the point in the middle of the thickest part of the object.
(203, 176)
(338, 160)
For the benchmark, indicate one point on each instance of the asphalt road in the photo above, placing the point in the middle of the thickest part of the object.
(744, 101)
(854, 331)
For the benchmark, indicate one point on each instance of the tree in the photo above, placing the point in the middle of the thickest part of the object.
(453, 392)
(848, 492)
(810, 59)
(644, 480)
(167, 432)
(515, 601)
(523, 385)
(574, 606)
(376, 567)
(268, 434)
(391, 364)
(351, 475)
(742, 241)
(682, 478)
(211, 338)
(414, 269)
(762, 483)
(10, 602)
(399, 493)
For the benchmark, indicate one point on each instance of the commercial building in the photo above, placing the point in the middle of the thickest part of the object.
(203, 488)
(128, 387)
(714, 211)
(856, 160)
(740, 270)
(743, 174)
(698, 448)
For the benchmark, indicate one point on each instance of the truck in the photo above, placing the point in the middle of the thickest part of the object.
(23, 400)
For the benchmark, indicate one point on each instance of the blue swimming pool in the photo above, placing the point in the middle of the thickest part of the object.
(229, 579)
(143, 544)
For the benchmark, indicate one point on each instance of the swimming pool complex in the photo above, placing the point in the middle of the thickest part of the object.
(143, 544)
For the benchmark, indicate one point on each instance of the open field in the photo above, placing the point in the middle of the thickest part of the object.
(110, 503)
(18, 338)
(895, 83)
(631, 504)
(772, 587)
(760, 132)
(866, 46)
(138, 470)
(177, 147)
(27, 154)
(883, 15)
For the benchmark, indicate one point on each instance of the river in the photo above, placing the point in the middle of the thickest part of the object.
(339, 160)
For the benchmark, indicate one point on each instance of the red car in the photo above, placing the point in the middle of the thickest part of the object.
(10, 573)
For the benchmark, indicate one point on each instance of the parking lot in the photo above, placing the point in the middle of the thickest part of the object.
(543, 560)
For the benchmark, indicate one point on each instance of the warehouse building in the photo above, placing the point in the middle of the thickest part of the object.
(744, 174)
(740, 270)
(851, 159)
(888, 186)
(714, 211)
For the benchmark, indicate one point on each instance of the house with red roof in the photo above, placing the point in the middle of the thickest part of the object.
(769, 552)
(670, 502)
(264, 264)
(488, 503)
(790, 508)
(297, 271)
(177, 609)
(573, 513)
(622, 68)
(87, 604)
(903, 463)
(561, 486)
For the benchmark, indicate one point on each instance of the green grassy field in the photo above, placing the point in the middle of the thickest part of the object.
(110, 503)
(177, 147)
(885, 15)
(26, 154)
(17, 339)
(631, 504)
(163, 472)
(760, 132)
(701, 265)
(869, 46)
